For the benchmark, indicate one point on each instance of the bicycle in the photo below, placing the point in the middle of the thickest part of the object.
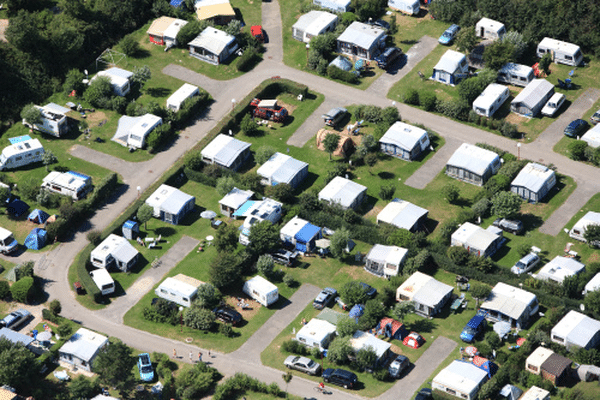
(322, 390)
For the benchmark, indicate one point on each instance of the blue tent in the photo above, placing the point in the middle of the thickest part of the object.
(176, 3)
(17, 208)
(357, 311)
(306, 237)
(38, 216)
(36, 239)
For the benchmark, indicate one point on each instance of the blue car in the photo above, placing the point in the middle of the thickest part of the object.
(474, 327)
(145, 367)
(449, 34)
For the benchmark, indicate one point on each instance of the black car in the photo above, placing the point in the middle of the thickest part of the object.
(387, 58)
(512, 226)
(340, 377)
(576, 128)
(369, 290)
(285, 257)
(424, 394)
(227, 315)
(324, 298)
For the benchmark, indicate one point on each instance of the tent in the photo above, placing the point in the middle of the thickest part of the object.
(486, 365)
(17, 208)
(414, 340)
(13, 274)
(357, 311)
(38, 216)
(510, 392)
(131, 230)
(342, 63)
(36, 239)
(345, 145)
(502, 328)
(392, 329)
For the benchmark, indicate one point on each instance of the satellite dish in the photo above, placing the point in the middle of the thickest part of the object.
(582, 307)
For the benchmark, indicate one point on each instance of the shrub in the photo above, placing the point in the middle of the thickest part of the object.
(198, 318)
(458, 255)
(381, 375)
(335, 73)
(289, 280)
(22, 289)
(248, 60)
(55, 307)
(4, 290)
(94, 237)
(428, 101)
(482, 207)
(453, 109)
(263, 154)
(49, 315)
(411, 97)
(292, 346)
(509, 130)
(577, 150)
(226, 330)
(64, 329)
(451, 192)
(387, 191)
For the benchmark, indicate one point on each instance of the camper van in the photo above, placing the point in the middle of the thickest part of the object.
(175, 101)
(8, 244)
(261, 290)
(410, 7)
(103, 280)
(562, 52)
(21, 153)
(68, 183)
(516, 74)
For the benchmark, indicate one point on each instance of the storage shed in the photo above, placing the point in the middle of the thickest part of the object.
(461, 379)
(170, 204)
(213, 46)
(281, 168)
(592, 137)
(533, 182)
(180, 289)
(428, 294)
(186, 91)
(489, 29)
(312, 24)
(133, 131)
(119, 80)
(530, 101)
(491, 99)
(70, 183)
(301, 234)
(576, 330)
(234, 200)
(451, 68)
(404, 215)
(316, 333)
(472, 164)
(510, 304)
(164, 30)
(578, 230)
(337, 6)
(562, 52)
(218, 11)
(560, 268)
(362, 340)
(478, 241)
(82, 348)
(130, 230)
(114, 250)
(226, 152)
(361, 40)
(516, 74)
(404, 141)
(385, 261)
(344, 192)
(261, 290)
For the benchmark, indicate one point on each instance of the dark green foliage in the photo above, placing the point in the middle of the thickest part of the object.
(99, 92)
(295, 347)
(114, 364)
(289, 280)
(22, 290)
(481, 207)
(55, 307)
(497, 183)
(335, 73)
(188, 110)
(248, 60)
(23, 373)
(498, 53)
(367, 9)
(453, 109)
(346, 326)
(506, 204)
(339, 242)
(49, 315)
(94, 237)
(451, 193)
(226, 330)
(366, 357)
(226, 238)
(411, 97)
(282, 192)
(387, 192)
(195, 382)
(458, 255)
(336, 170)
(428, 101)
(511, 168)
(509, 130)
(159, 136)
(339, 350)
(73, 81)
(240, 384)
(263, 153)
(199, 177)
(161, 312)
(493, 339)
(263, 237)
(83, 388)
(374, 311)
(592, 235)
(381, 375)
(353, 293)
(466, 39)
(188, 32)
(330, 143)
(4, 290)
(225, 269)
(577, 150)
(248, 126)
(129, 46)
(198, 318)
(208, 296)
(64, 329)
(545, 62)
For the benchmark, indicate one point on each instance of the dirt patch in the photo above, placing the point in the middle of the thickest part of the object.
(514, 118)
(355, 273)
(236, 299)
(289, 107)
(374, 211)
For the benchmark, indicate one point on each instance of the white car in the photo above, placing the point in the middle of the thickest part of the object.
(525, 264)
(552, 106)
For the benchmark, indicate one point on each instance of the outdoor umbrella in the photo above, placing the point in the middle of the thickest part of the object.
(208, 214)
(471, 350)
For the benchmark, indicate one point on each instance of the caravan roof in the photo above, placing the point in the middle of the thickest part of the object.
(593, 284)
(450, 61)
(293, 227)
(101, 277)
(533, 93)
(576, 328)
(360, 34)
(281, 168)
(509, 300)
(183, 93)
(403, 135)
(212, 40)
(182, 284)
(560, 268)
(67, 180)
(401, 214)
(387, 254)
(84, 344)
(361, 340)
(341, 190)
(224, 149)
(533, 176)
(314, 21)
(117, 76)
(558, 45)
(474, 236)
(461, 376)
(117, 246)
(261, 284)
(489, 96)
(473, 158)
(316, 330)
(159, 25)
(236, 197)
(22, 147)
(514, 68)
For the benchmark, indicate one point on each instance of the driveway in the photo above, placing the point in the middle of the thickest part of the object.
(428, 171)
(271, 23)
(313, 123)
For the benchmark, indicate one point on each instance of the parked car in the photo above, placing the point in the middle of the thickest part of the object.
(369, 290)
(595, 118)
(334, 116)
(227, 315)
(576, 128)
(512, 226)
(474, 328)
(340, 377)
(525, 264)
(449, 34)
(145, 367)
(387, 58)
(424, 394)
(552, 106)
(303, 364)
(399, 365)
(15, 319)
(285, 257)
(324, 298)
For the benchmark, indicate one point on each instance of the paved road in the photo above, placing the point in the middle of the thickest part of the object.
(428, 171)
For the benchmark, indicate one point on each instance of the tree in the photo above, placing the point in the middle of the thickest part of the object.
(188, 32)
(577, 150)
(330, 143)
(339, 242)
(283, 192)
(208, 296)
(129, 46)
(114, 365)
(225, 269)
(226, 238)
(74, 81)
(366, 357)
(263, 237)
(374, 311)
(518, 41)
(225, 184)
(94, 237)
(99, 92)
(48, 158)
(248, 126)
(265, 265)
(195, 382)
(31, 114)
(353, 293)
(387, 192)
(4, 289)
(287, 377)
(263, 154)
(481, 207)
(401, 238)
(339, 350)
(592, 235)
(144, 214)
(141, 75)
(22, 289)
(199, 318)
(451, 193)
(371, 160)
(55, 307)
(545, 62)
(506, 204)
(346, 326)
(21, 369)
(497, 54)
(480, 291)
(466, 40)
(82, 388)
(402, 309)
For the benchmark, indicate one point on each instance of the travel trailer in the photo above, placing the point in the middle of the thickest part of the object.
(21, 153)
(68, 183)
(261, 290)
(103, 280)
(8, 244)
(186, 91)
(410, 7)
(562, 52)
(516, 74)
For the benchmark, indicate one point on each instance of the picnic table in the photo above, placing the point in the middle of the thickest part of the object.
(457, 303)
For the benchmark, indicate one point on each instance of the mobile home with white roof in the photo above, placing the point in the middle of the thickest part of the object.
(103, 280)
(562, 52)
(410, 7)
(491, 99)
(473, 164)
(185, 92)
(119, 80)
(516, 74)
(578, 230)
(261, 290)
(489, 29)
(72, 184)
(180, 289)
(21, 153)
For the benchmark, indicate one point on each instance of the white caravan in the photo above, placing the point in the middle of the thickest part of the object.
(21, 154)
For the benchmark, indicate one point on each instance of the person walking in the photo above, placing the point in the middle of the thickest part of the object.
(174, 353)
(199, 357)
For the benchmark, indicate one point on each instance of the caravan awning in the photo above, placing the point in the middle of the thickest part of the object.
(244, 208)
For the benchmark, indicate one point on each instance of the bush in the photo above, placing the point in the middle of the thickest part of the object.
(198, 318)
(292, 346)
(428, 101)
(49, 315)
(482, 207)
(55, 307)
(94, 237)
(4, 290)
(226, 330)
(248, 60)
(339, 350)
(411, 97)
(577, 150)
(454, 109)
(22, 289)
(64, 329)
(509, 130)
(387, 192)
(263, 154)
(335, 73)
(381, 375)
(289, 280)
(451, 192)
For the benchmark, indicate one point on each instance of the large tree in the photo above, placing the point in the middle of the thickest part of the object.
(339, 242)
(31, 114)
(226, 238)
(330, 143)
(506, 204)
(208, 296)
(144, 214)
(114, 364)
(353, 293)
(18, 366)
(402, 309)
(82, 388)
(592, 235)
(225, 269)
(264, 236)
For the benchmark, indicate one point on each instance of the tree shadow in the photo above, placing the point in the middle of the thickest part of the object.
(165, 231)
(191, 217)
(141, 54)
(531, 221)
(423, 326)
(501, 252)
(386, 175)
(158, 92)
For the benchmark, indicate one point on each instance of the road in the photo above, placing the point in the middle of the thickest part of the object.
(53, 266)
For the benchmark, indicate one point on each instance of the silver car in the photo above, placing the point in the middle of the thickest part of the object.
(303, 364)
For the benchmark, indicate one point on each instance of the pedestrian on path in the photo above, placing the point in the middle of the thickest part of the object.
(174, 353)
(191, 355)
(209, 356)
(199, 356)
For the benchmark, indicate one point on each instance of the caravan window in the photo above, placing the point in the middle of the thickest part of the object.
(18, 158)
(107, 286)
(523, 79)
(185, 299)
(569, 58)
(96, 260)
(542, 51)
(163, 291)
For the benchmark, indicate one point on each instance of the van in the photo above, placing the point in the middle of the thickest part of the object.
(525, 264)
(387, 58)
(103, 280)
(552, 106)
(8, 244)
(474, 327)
(334, 116)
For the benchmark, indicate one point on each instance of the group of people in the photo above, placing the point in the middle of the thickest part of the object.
(191, 355)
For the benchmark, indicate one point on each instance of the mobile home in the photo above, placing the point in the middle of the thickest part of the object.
(410, 7)
(404, 141)
(261, 290)
(119, 80)
(213, 46)
(578, 230)
(489, 29)
(316, 333)
(103, 280)
(562, 52)
(133, 131)
(473, 164)
(53, 120)
(313, 24)
(180, 289)
(21, 153)
(337, 6)
(516, 74)
(72, 184)
(185, 92)
(164, 30)
(532, 99)
(114, 249)
(490, 100)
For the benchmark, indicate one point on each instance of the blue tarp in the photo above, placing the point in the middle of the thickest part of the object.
(359, 64)
(176, 3)
(17, 208)
(240, 211)
(38, 216)
(130, 230)
(36, 239)
(19, 139)
(357, 311)
(79, 175)
(308, 233)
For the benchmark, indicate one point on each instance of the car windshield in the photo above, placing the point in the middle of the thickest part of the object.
(146, 369)
(310, 364)
(469, 331)
(520, 265)
(447, 34)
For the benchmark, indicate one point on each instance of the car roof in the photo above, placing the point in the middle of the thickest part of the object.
(529, 257)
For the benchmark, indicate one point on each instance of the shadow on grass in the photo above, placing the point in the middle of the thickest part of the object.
(310, 179)
(531, 221)
(424, 325)
(386, 175)
(190, 217)
(158, 92)
(501, 252)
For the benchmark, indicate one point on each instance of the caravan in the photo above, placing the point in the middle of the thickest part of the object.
(261, 290)
(186, 91)
(410, 7)
(68, 183)
(8, 244)
(21, 152)
(180, 289)
(490, 100)
(516, 74)
(562, 52)
(104, 281)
